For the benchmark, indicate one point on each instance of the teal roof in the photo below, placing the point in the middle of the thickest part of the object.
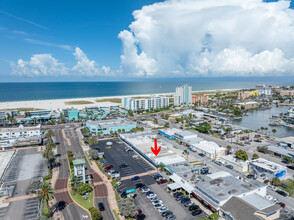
(78, 162)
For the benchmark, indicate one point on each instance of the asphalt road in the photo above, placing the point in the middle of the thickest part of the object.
(107, 213)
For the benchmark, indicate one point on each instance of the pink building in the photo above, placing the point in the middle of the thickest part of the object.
(287, 92)
(202, 99)
(244, 95)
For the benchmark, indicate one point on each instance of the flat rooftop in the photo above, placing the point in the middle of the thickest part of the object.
(110, 123)
(209, 146)
(20, 128)
(235, 160)
(282, 151)
(5, 157)
(170, 131)
(268, 165)
(220, 187)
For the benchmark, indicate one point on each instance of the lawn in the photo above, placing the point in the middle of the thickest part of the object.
(86, 203)
(88, 157)
(114, 100)
(290, 187)
(116, 216)
(80, 102)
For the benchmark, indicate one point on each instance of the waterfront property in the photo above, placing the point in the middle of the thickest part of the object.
(267, 169)
(137, 104)
(247, 105)
(183, 95)
(110, 126)
(264, 90)
(247, 94)
(287, 93)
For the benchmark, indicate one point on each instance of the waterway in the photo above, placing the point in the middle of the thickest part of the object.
(261, 118)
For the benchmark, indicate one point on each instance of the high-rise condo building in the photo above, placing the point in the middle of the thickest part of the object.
(183, 95)
(155, 102)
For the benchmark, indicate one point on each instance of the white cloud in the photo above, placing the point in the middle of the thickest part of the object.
(39, 65)
(87, 67)
(211, 38)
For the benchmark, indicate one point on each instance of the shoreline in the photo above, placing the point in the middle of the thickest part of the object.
(55, 104)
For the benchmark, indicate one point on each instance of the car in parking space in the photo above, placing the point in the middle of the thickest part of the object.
(162, 181)
(124, 165)
(157, 202)
(283, 185)
(176, 194)
(118, 183)
(124, 195)
(156, 176)
(188, 204)
(230, 167)
(162, 209)
(281, 192)
(281, 204)
(179, 198)
(201, 155)
(149, 193)
(101, 206)
(154, 198)
(104, 162)
(250, 176)
(135, 178)
(193, 207)
(196, 212)
(141, 217)
(204, 170)
(158, 206)
(139, 185)
(291, 167)
(218, 162)
(108, 167)
(170, 217)
(166, 213)
(144, 189)
(183, 201)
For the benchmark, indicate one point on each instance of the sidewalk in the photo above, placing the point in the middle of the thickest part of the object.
(111, 194)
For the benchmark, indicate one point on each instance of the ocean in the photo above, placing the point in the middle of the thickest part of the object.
(64, 90)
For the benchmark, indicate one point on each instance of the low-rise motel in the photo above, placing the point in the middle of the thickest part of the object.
(110, 126)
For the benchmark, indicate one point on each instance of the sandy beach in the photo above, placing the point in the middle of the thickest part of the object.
(58, 104)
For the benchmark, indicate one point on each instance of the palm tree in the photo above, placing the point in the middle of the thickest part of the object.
(229, 148)
(262, 128)
(266, 129)
(274, 131)
(50, 133)
(47, 153)
(45, 194)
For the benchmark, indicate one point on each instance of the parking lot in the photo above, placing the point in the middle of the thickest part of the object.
(117, 155)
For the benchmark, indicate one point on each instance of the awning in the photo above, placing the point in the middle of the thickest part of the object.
(173, 186)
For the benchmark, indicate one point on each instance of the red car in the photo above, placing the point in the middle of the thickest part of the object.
(162, 181)
(281, 204)
(108, 167)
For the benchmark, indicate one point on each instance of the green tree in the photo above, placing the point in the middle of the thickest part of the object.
(255, 156)
(229, 148)
(123, 130)
(92, 141)
(45, 194)
(166, 124)
(276, 181)
(274, 131)
(203, 127)
(47, 153)
(161, 167)
(242, 155)
(155, 120)
(127, 207)
(84, 188)
(95, 213)
(262, 149)
(50, 134)
(93, 154)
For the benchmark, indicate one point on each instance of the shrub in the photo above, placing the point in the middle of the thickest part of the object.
(95, 213)
(213, 216)
(84, 188)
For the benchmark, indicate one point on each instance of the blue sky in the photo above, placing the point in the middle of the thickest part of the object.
(92, 40)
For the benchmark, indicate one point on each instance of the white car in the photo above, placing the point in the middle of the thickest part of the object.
(157, 202)
(118, 183)
(162, 209)
(144, 189)
(158, 206)
(153, 199)
(149, 196)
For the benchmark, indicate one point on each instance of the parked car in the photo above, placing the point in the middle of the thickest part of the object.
(218, 162)
(283, 185)
(157, 202)
(196, 212)
(139, 185)
(158, 206)
(201, 155)
(285, 161)
(124, 165)
(166, 213)
(141, 217)
(135, 178)
(101, 206)
(291, 167)
(144, 189)
(108, 167)
(187, 204)
(139, 211)
(250, 176)
(149, 193)
(123, 195)
(281, 204)
(179, 198)
(162, 181)
(134, 196)
(183, 201)
(281, 192)
(176, 194)
(230, 167)
(118, 183)
(170, 217)
(267, 182)
(162, 209)
(193, 207)
(154, 198)
(204, 170)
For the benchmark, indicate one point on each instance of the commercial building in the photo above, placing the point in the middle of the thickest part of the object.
(154, 102)
(288, 141)
(4, 114)
(210, 149)
(183, 95)
(247, 94)
(106, 126)
(247, 105)
(287, 93)
(238, 165)
(280, 151)
(264, 90)
(20, 132)
(200, 99)
(267, 169)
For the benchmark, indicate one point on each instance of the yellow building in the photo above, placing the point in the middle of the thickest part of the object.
(255, 93)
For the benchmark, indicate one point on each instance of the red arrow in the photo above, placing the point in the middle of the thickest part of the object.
(155, 150)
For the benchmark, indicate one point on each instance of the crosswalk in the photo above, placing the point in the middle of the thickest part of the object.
(32, 209)
(3, 212)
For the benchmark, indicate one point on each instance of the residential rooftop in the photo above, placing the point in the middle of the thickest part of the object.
(110, 123)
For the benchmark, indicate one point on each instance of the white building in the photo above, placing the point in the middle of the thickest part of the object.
(267, 169)
(264, 90)
(238, 165)
(183, 95)
(20, 132)
(79, 169)
(155, 102)
(210, 149)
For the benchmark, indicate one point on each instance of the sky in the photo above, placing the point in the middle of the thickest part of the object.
(145, 39)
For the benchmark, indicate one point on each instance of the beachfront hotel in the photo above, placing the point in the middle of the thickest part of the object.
(155, 102)
(183, 95)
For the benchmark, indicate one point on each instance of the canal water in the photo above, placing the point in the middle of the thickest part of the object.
(261, 118)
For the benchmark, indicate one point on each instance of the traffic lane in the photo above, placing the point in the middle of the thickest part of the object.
(287, 200)
(117, 155)
(107, 213)
(74, 212)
